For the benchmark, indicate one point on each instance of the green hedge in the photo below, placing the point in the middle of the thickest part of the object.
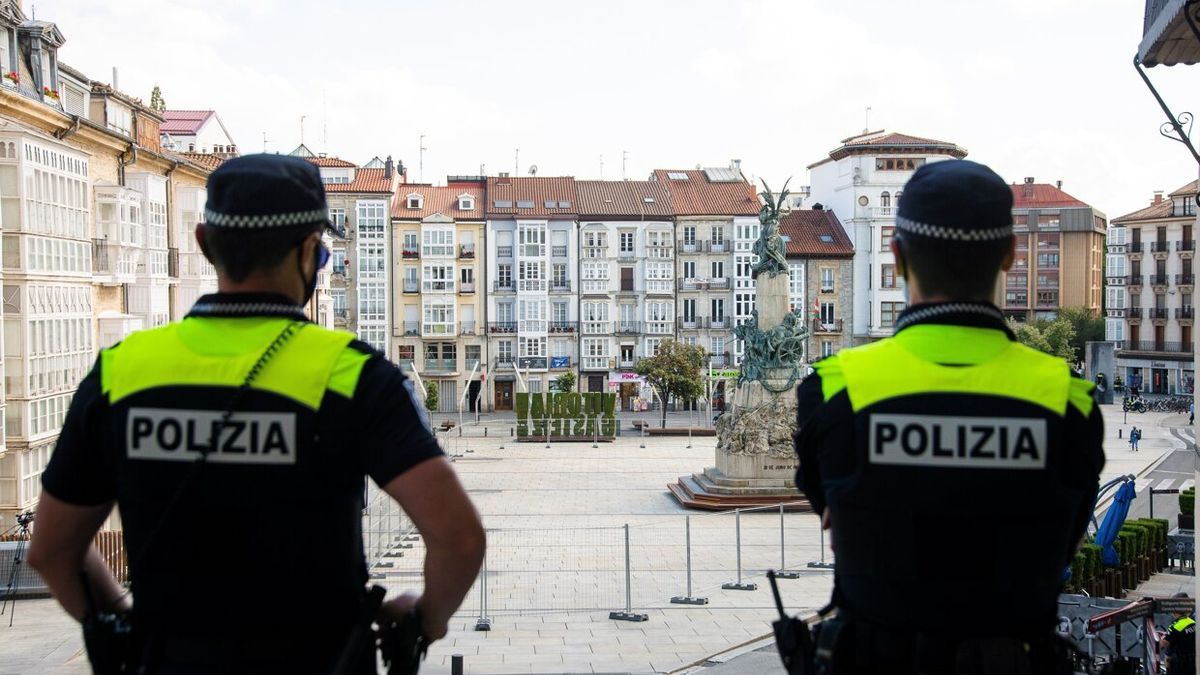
(1187, 501)
(1091, 555)
(1140, 538)
(1157, 529)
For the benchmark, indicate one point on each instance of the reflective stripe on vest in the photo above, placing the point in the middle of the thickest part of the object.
(886, 369)
(206, 351)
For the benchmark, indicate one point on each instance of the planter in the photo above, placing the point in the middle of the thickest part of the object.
(49, 100)
(8, 83)
(1187, 521)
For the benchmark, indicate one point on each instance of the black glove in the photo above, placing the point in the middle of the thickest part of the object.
(402, 645)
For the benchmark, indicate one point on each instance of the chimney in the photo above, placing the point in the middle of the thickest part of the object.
(388, 167)
(1029, 187)
(818, 207)
(115, 84)
(321, 155)
(1158, 197)
(1058, 184)
(736, 165)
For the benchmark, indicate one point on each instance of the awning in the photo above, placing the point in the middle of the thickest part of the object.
(1167, 39)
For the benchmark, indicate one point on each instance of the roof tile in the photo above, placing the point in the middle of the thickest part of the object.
(527, 196)
(698, 196)
(603, 198)
(1041, 195)
(443, 200)
(365, 180)
(815, 234)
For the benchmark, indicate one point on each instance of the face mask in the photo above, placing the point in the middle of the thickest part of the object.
(310, 285)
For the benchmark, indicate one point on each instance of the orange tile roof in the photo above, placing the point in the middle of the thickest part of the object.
(535, 192)
(443, 200)
(332, 162)
(365, 180)
(805, 228)
(881, 141)
(1152, 212)
(623, 198)
(698, 196)
(1041, 195)
(206, 160)
(1188, 190)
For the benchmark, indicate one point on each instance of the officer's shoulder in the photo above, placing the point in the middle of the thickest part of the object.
(359, 360)
(1079, 391)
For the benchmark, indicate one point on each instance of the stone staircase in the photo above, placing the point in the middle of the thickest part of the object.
(713, 491)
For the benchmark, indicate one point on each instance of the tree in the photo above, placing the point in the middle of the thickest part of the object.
(565, 383)
(676, 371)
(431, 397)
(1052, 337)
(1088, 325)
(156, 100)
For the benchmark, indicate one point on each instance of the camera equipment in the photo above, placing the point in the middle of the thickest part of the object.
(14, 574)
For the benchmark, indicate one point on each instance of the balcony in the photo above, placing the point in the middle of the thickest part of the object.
(834, 326)
(558, 251)
(659, 286)
(504, 252)
(504, 286)
(719, 323)
(1186, 248)
(503, 362)
(1135, 280)
(1160, 247)
(412, 286)
(1159, 313)
(560, 286)
(693, 284)
(410, 254)
(1185, 313)
(561, 327)
(628, 328)
(438, 329)
(661, 252)
(441, 365)
(338, 270)
(625, 365)
(1115, 312)
(688, 323)
(595, 286)
(596, 327)
(1156, 346)
(696, 246)
(718, 360)
(595, 362)
(341, 316)
(1185, 279)
(466, 287)
(466, 328)
(1135, 249)
(441, 286)
(719, 246)
(502, 327)
(883, 212)
(466, 251)
(660, 327)
(720, 284)
(626, 254)
(533, 326)
(1160, 279)
(532, 285)
(412, 328)
(1134, 313)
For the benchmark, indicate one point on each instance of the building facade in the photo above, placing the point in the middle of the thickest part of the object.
(1151, 280)
(861, 182)
(438, 321)
(532, 259)
(821, 266)
(1059, 259)
(199, 131)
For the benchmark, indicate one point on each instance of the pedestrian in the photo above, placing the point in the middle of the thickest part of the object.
(906, 443)
(1191, 412)
(1135, 435)
(1180, 643)
(236, 443)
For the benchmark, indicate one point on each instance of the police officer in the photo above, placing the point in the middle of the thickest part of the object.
(1180, 643)
(235, 444)
(955, 467)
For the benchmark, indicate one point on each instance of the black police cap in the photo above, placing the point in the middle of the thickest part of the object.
(261, 192)
(956, 200)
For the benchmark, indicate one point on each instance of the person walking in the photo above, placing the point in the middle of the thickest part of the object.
(236, 443)
(1135, 435)
(907, 445)
(1191, 413)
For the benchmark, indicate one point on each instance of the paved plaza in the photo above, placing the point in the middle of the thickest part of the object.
(556, 560)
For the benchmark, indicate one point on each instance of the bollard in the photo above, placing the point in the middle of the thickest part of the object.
(483, 622)
(781, 574)
(687, 538)
(456, 664)
(485, 432)
(822, 564)
(595, 431)
(628, 614)
(547, 432)
(738, 585)
(642, 432)
(689, 437)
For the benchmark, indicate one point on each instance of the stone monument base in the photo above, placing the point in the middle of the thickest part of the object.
(712, 490)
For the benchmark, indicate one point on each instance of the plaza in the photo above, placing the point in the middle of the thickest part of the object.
(556, 559)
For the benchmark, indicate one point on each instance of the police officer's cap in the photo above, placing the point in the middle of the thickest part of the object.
(956, 201)
(262, 192)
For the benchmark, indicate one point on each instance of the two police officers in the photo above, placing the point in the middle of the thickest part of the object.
(956, 468)
(235, 444)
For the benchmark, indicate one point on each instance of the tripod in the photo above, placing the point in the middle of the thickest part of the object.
(14, 574)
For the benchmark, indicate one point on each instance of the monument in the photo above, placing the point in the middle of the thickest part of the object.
(755, 460)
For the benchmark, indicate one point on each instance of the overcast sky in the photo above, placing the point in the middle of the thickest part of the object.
(1042, 88)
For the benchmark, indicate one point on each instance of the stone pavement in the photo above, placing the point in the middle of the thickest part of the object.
(557, 554)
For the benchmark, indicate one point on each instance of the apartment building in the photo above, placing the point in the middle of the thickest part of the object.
(360, 273)
(821, 268)
(861, 182)
(89, 244)
(532, 266)
(1059, 254)
(438, 321)
(199, 131)
(627, 282)
(1151, 280)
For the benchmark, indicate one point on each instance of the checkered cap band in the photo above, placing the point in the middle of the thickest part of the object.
(952, 233)
(264, 221)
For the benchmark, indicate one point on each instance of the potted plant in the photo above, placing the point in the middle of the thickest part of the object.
(12, 79)
(50, 95)
(431, 396)
(1187, 509)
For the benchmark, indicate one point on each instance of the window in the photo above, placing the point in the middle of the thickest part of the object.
(120, 118)
(410, 244)
(558, 313)
(717, 267)
(437, 243)
(415, 201)
(717, 306)
(689, 310)
(827, 313)
(406, 353)
(886, 234)
(888, 312)
(885, 200)
(826, 348)
(504, 276)
(1045, 260)
(716, 346)
(338, 295)
(689, 269)
(1048, 240)
(898, 163)
(1114, 329)
(559, 275)
(504, 351)
(466, 203)
(826, 279)
(744, 265)
(505, 313)
(652, 346)
(743, 304)
(1116, 265)
(718, 236)
(887, 276)
(796, 286)
(531, 347)
(689, 235)
(626, 242)
(337, 217)
(532, 240)
(437, 278)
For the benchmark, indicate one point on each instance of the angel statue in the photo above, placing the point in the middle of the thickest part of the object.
(772, 257)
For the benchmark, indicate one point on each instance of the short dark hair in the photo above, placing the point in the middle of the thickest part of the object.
(957, 269)
(238, 253)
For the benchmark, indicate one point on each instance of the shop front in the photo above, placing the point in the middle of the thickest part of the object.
(633, 394)
(721, 384)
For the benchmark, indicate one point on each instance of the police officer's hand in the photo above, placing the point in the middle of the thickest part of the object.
(399, 606)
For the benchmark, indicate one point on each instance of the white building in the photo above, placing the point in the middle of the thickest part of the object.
(532, 262)
(198, 131)
(1150, 306)
(861, 182)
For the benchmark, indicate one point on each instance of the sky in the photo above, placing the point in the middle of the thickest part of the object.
(1041, 88)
